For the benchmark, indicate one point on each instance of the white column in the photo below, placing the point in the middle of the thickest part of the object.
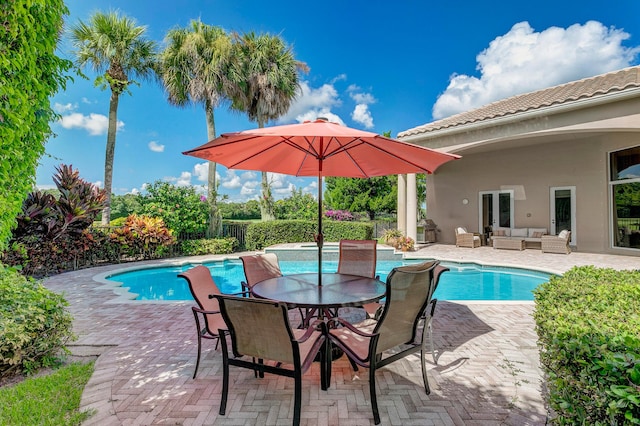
(402, 204)
(412, 207)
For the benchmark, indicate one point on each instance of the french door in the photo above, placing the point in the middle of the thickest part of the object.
(562, 203)
(496, 209)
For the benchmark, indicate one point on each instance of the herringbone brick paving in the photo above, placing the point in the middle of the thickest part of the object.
(487, 371)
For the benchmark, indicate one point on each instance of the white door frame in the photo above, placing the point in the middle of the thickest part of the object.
(496, 206)
(552, 210)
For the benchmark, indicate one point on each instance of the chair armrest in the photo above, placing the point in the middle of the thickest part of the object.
(350, 326)
(202, 311)
(318, 325)
(211, 296)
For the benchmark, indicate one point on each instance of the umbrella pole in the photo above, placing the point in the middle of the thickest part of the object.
(320, 237)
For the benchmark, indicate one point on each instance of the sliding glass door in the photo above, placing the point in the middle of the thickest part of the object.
(496, 210)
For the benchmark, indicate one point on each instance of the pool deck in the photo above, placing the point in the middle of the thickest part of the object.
(487, 371)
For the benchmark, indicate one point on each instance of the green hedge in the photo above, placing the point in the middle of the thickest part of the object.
(34, 324)
(588, 325)
(264, 234)
(208, 246)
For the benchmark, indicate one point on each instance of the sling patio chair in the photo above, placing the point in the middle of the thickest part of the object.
(409, 290)
(202, 286)
(260, 267)
(359, 257)
(207, 314)
(260, 330)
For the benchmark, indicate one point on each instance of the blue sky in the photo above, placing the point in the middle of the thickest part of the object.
(374, 65)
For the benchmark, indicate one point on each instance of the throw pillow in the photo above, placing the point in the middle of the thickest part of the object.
(462, 230)
(538, 234)
(498, 233)
(563, 234)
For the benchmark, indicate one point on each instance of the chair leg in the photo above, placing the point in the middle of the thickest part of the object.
(198, 359)
(225, 377)
(372, 392)
(423, 364)
(433, 349)
(297, 398)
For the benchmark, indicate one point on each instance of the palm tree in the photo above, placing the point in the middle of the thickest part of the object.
(193, 69)
(116, 48)
(265, 73)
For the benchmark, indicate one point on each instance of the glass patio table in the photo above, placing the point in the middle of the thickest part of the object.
(337, 291)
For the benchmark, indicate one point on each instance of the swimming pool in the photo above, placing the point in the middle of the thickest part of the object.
(465, 281)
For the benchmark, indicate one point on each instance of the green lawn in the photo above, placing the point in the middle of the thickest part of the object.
(52, 399)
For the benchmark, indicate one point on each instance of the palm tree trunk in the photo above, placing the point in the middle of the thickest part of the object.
(266, 200)
(215, 219)
(109, 155)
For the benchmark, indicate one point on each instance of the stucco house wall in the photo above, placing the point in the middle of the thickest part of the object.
(555, 137)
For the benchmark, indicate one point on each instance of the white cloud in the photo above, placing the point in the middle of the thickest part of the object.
(231, 180)
(362, 115)
(524, 60)
(61, 109)
(98, 184)
(284, 191)
(311, 103)
(156, 147)
(183, 180)
(95, 124)
(314, 114)
(201, 171)
(248, 175)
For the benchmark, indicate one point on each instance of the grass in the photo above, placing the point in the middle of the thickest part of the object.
(53, 399)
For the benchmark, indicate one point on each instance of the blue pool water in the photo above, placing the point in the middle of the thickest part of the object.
(465, 281)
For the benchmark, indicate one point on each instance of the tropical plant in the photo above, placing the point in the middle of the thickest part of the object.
(144, 234)
(31, 74)
(115, 47)
(181, 208)
(265, 76)
(193, 69)
(53, 231)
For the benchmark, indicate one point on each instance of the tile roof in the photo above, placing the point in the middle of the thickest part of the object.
(616, 81)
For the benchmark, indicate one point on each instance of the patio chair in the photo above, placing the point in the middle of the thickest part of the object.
(260, 329)
(259, 267)
(359, 257)
(431, 307)
(557, 244)
(409, 290)
(202, 288)
(466, 239)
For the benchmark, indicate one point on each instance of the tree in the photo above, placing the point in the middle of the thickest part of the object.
(181, 208)
(265, 73)
(193, 68)
(116, 48)
(373, 195)
(31, 74)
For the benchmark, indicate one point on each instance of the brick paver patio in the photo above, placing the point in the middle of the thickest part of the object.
(487, 371)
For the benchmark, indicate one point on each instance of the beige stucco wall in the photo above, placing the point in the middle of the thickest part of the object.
(579, 161)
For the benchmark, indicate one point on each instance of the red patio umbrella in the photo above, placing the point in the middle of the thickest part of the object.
(319, 148)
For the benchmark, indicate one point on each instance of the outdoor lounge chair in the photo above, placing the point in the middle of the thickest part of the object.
(409, 290)
(557, 244)
(359, 257)
(260, 329)
(466, 239)
(202, 287)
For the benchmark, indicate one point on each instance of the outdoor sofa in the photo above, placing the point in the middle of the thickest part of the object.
(505, 237)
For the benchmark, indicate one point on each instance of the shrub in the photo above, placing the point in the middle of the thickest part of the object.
(180, 207)
(144, 235)
(209, 246)
(264, 234)
(339, 215)
(589, 335)
(34, 322)
(51, 232)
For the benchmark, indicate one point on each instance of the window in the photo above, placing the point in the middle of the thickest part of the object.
(625, 196)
